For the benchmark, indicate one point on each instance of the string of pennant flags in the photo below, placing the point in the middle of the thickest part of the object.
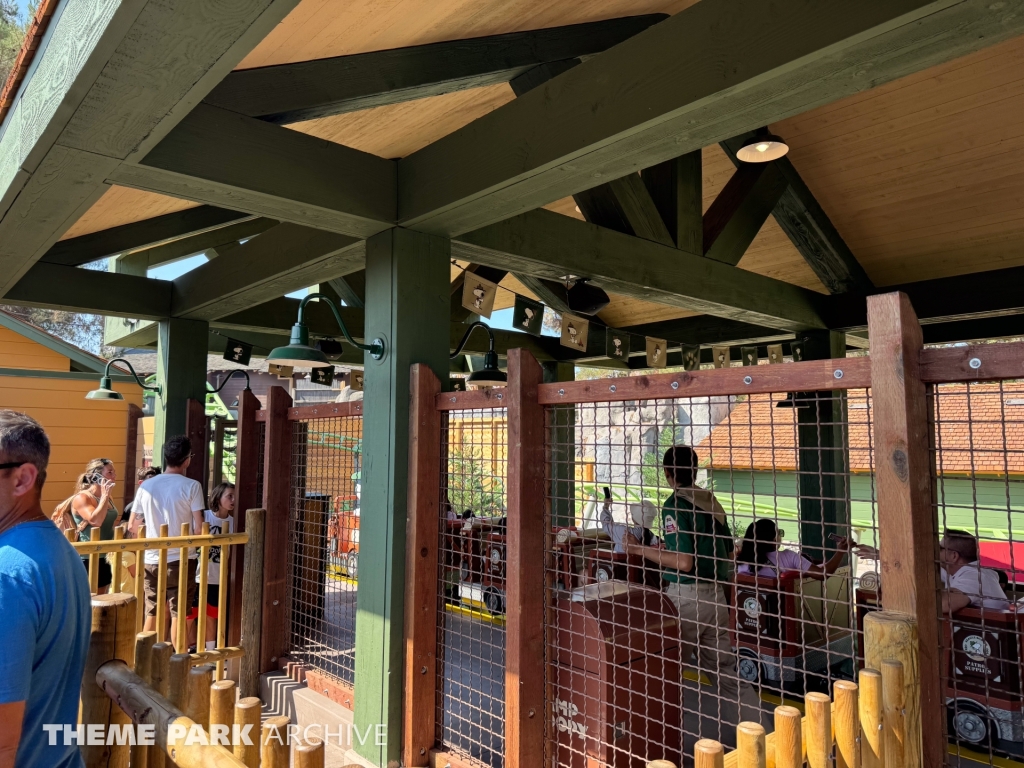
(478, 295)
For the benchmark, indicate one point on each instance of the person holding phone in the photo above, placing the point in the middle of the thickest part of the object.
(761, 551)
(92, 507)
(642, 515)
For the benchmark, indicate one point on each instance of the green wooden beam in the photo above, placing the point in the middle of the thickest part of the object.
(212, 242)
(654, 97)
(306, 90)
(810, 229)
(283, 259)
(351, 288)
(407, 289)
(181, 374)
(222, 158)
(148, 233)
(707, 329)
(85, 290)
(676, 188)
(546, 244)
(740, 210)
(551, 292)
(110, 83)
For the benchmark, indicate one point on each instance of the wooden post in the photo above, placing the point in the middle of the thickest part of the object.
(141, 705)
(750, 746)
(252, 598)
(846, 720)
(181, 640)
(894, 745)
(140, 585)
(223, 603)
(309, 754)
(706, 754)
(161, 588)
(115, 569)
(161, 681)
(408, 284)
(893, 637)
(94, 563)
(177, 688)
(217, 470)
(247, 715)
(144, 642)
(274, 741)
(789, 748)
(197, 695)
(246, 471)
(222, 704)
(907, 531)
(525, 715)
(871, 718)
(276, 485)
(204, 580)
(819, 730)
(421, 568)
(113, 637)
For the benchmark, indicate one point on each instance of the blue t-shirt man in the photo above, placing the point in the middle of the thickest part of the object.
(45, 621)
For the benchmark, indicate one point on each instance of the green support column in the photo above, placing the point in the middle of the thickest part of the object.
(407, 305)
(823, 455)
(181, 374)
(562, 472)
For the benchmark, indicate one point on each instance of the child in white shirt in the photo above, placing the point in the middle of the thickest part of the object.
(218, 516)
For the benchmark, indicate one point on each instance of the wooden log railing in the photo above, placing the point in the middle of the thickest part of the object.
(196, 722)
(120, 545)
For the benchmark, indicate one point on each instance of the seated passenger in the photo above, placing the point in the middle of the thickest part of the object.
(643, 516)
(965, 581)
(761, 549)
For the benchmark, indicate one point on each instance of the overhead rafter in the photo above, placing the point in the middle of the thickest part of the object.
(740, 210)
(283, 259)
(351, 288)
(148, 233)
(809, 228)
(306, 90)
(138, 261)
(546, 244)
(54, 286)
(109, 85)
(226, 159)
(654, 97)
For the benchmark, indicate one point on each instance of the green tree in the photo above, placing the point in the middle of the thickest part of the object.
(12, 33)
(471, 486)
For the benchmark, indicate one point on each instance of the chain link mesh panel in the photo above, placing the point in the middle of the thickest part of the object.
(471, 624)
(323, 542)
(979, 500)
(706, 557)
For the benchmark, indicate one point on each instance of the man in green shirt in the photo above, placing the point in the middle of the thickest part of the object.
(696, 563)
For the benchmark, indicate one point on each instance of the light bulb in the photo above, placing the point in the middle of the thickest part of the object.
(762, 147)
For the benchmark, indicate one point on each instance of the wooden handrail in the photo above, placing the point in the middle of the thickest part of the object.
(157, 543)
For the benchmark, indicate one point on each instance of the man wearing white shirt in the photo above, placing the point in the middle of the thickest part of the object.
(965, 581)
(173, 499)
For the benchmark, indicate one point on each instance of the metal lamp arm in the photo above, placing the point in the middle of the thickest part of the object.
(140, 382)
(465, 338)
(224, 383)
(375, 348)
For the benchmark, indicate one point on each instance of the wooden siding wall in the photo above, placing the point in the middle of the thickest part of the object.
(79, 430)
(18, 352)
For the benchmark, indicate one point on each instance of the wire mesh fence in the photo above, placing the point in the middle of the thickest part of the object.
(471, 564)
(705, 557)
(323, 545)
(978, 433)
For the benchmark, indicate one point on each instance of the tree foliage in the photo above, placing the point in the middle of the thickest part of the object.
(12, 33)
(471, 486)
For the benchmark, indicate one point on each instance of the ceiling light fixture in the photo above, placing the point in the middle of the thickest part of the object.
(490, 375)
(298, 353)
(763, 147)
(107, 391)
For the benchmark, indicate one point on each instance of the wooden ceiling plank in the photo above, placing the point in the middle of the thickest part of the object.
(636, 104)
(147, 233)
(219, 157)
(307, 90)
(545, 244)
(286, 258)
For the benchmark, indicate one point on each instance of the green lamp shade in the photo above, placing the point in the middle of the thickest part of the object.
(488, 376)
(105, 392)
(298, 353)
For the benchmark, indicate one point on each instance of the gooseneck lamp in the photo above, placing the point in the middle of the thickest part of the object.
(226, 380)
(107, 391)
(490, 375)
(298, 353)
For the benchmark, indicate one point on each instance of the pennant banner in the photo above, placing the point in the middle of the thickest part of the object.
(238, 352)
(774, 353)
(528, 315)
(478, 295)
(323, 375)
(797, 350)
(691, 357)
(749, 355)
(458, 385)
(721, 356)
(574, 332)
(284, 371)
(355, 380)
(616, 346)
(657, 353)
